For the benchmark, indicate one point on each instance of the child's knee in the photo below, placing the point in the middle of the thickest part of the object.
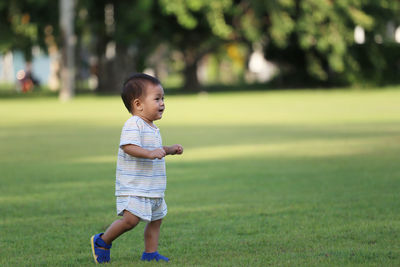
(130, 221)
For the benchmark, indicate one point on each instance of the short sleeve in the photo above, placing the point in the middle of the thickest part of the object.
(130, 134)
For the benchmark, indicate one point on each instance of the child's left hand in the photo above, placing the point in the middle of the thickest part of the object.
(177, 149)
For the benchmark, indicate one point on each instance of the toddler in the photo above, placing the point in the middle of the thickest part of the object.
(140, 177)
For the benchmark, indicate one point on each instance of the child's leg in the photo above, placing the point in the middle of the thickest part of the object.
(120, 226)
(101, 243)
(151, 235)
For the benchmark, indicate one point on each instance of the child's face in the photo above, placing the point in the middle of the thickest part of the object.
(151, 105)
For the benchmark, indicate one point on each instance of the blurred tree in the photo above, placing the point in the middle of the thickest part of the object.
(196, 28)
(28, 24)
(311, 39)
(200, 27)
(121, 34)
(68, 40)
(379, 57)
(22, 24)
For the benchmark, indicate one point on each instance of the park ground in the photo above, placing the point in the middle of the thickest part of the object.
(275, 178)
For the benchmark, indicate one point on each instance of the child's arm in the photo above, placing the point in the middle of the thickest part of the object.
(173, 150)
(139, 152)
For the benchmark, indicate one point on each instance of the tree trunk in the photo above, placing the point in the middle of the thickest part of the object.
(106, 76)
(68, 47)
(112, 71)
(190, 72)
(191, 79)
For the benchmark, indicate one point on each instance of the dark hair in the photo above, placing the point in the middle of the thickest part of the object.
(134, 87)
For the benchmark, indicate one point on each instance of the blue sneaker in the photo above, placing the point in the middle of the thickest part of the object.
(100, 250)
(152, 256)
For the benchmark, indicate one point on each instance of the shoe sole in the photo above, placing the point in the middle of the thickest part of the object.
(94, 254)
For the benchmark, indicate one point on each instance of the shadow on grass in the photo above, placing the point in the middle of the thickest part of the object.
(42, 141)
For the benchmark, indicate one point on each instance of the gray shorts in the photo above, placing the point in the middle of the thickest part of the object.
(147, 209)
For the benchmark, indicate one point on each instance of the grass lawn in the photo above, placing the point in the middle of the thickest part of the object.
(292, 178)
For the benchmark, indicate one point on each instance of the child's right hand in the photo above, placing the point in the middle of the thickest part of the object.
(158, 153)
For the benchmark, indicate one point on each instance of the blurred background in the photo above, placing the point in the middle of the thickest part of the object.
(269, 177)
(192, 45)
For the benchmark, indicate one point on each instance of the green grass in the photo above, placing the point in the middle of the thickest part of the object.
(293, 178)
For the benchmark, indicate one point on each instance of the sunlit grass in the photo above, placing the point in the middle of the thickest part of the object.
(293, 178)
(309, 148)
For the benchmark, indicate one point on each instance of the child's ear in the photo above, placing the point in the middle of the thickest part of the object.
(137, 105)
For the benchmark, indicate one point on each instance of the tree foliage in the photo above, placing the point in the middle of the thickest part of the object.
(310, 39)
(317, 35)
(129, 28)
(195, 28)
(212, 11)
(23, 24)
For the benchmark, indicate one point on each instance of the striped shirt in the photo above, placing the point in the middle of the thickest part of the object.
(139, 176)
